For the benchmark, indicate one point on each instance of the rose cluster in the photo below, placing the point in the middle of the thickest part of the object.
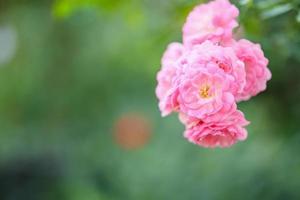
(203, 78)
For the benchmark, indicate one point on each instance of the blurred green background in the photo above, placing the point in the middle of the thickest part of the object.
(79, 117)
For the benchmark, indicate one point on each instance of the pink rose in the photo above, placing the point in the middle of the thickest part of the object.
(228, 107)
(165, 90)
(222, 129)
(202, 92)
(203, 78)
(188, 121)
(221, 58)
(257, 73)
(212, 21)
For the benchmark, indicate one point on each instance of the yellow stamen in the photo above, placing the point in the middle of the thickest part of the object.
(204, 92)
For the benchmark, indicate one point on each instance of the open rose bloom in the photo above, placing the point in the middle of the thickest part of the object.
(204, 78)
(212, 21)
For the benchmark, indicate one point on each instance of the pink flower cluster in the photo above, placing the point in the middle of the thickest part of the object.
(203, 78)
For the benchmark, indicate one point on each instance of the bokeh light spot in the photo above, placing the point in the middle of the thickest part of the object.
(132, 131)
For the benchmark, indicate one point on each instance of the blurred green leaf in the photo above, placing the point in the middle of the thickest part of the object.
(298, 17)
(277, 10)
(63, 8)
(246, 2)
(265, 4)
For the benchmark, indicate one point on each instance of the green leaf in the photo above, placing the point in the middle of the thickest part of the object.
(278, 10)
(63, 8)
(298, 17)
